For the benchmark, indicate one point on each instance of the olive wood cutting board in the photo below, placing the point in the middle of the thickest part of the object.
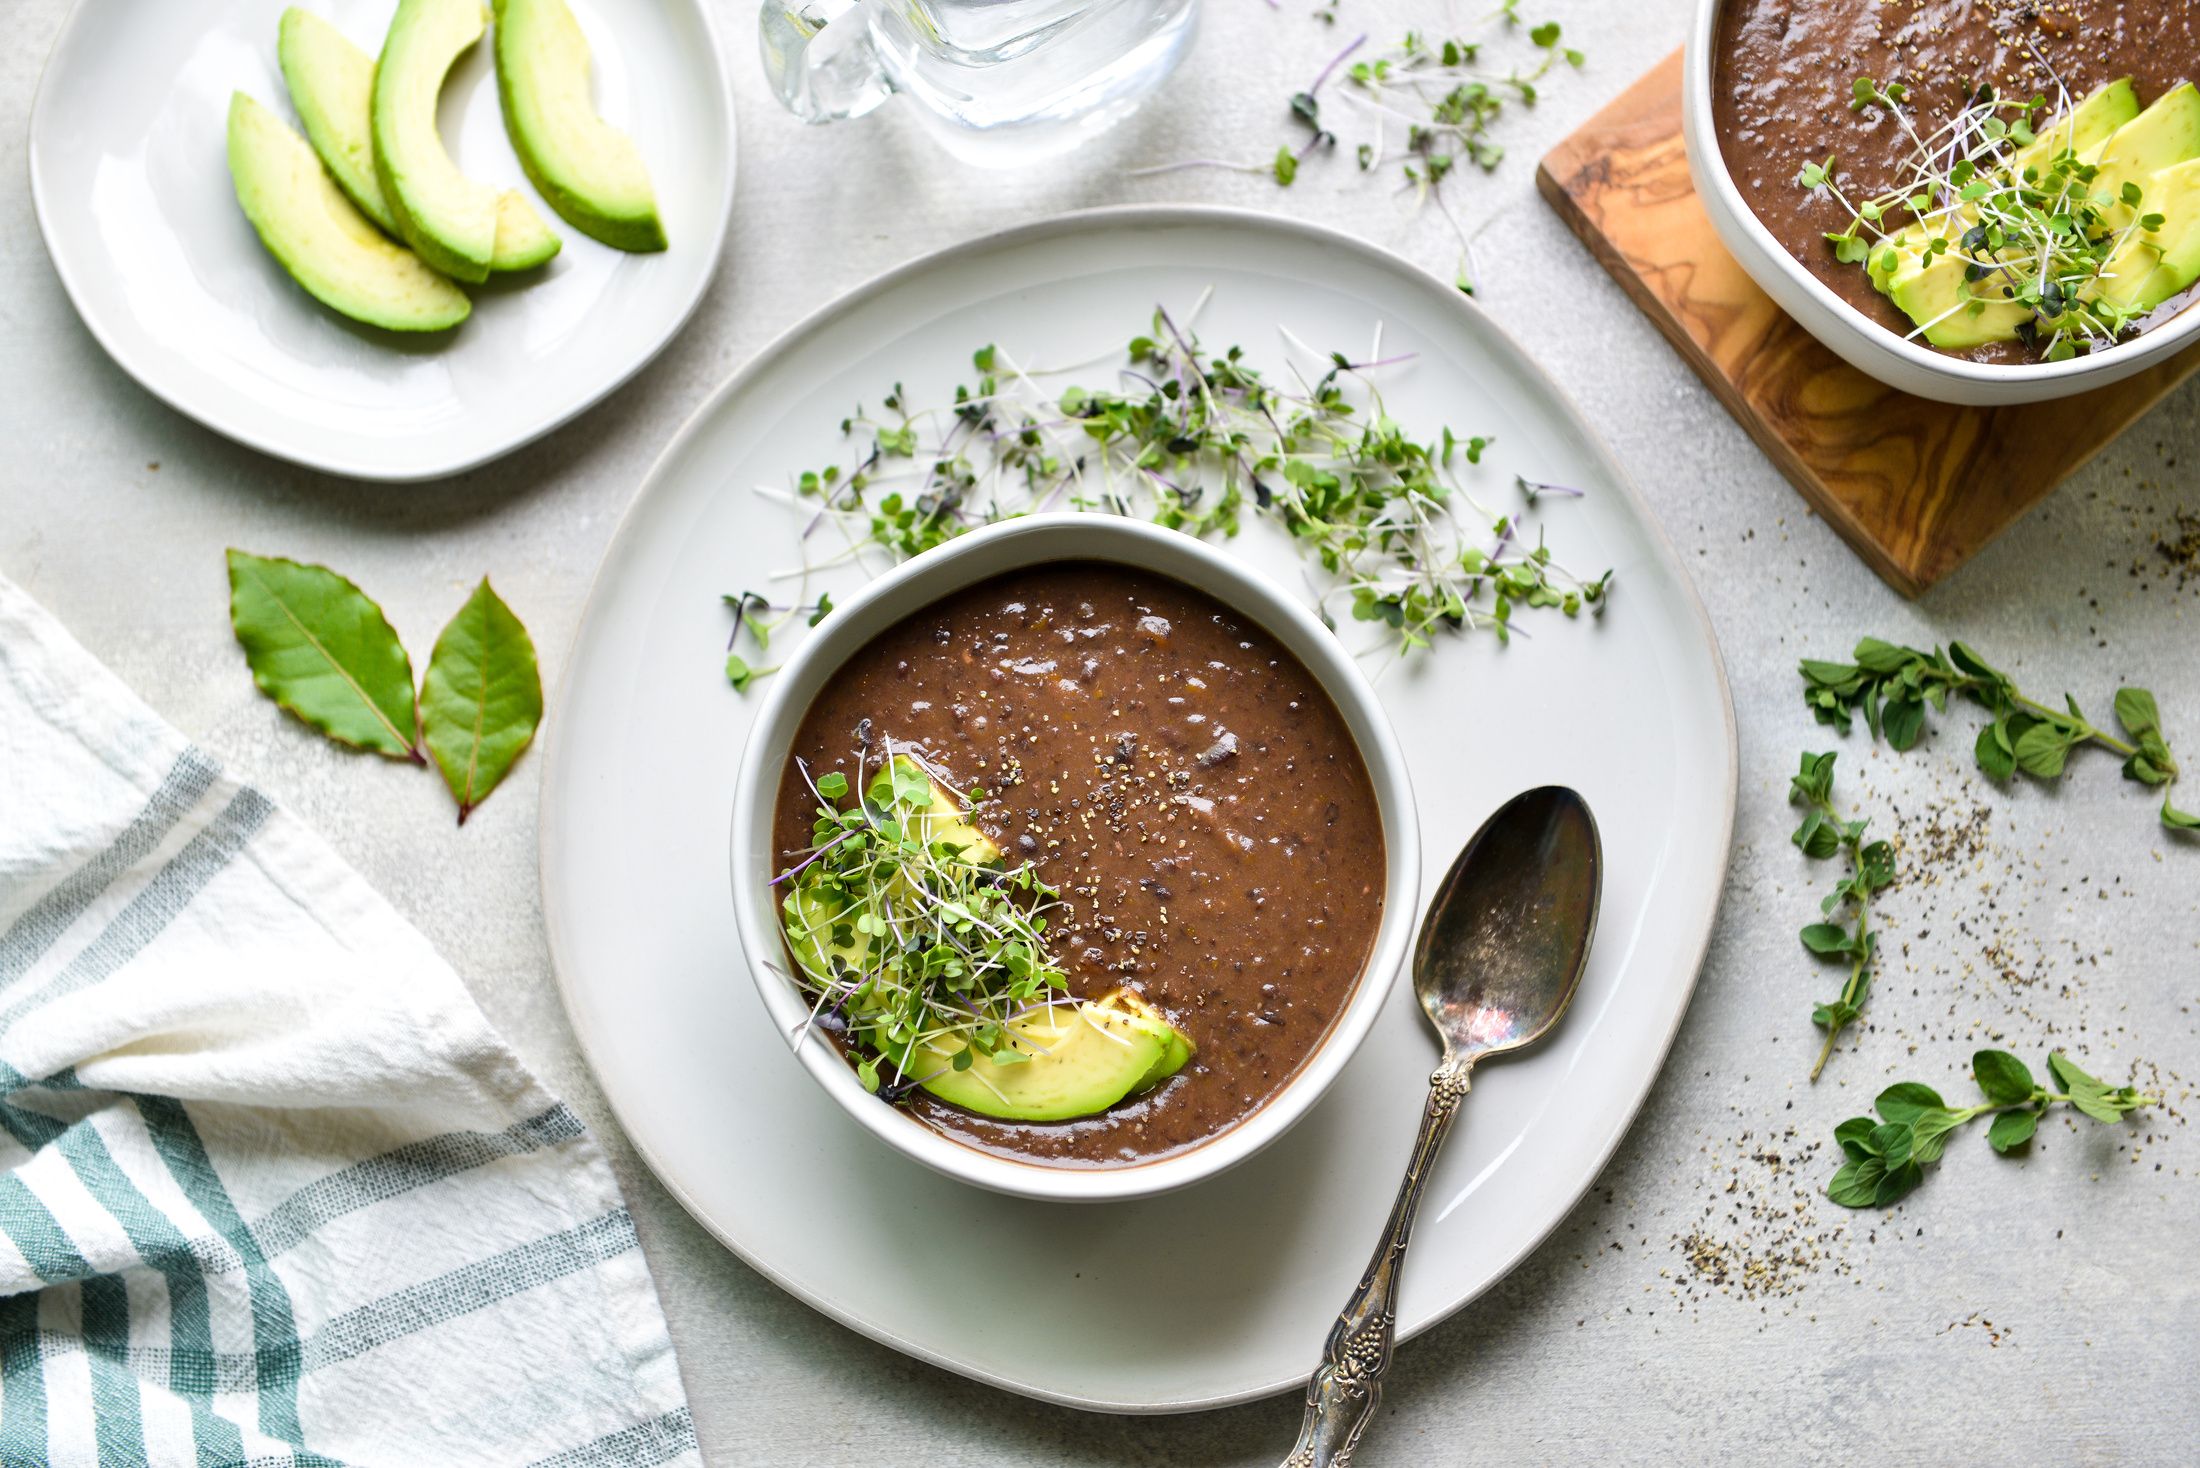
(1916, 487)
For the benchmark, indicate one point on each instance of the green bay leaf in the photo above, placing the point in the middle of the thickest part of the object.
(482, 697)
(322, 649)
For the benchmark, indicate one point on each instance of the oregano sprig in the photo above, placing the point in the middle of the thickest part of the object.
(1844, 931)
(1891, 686)
(1887, 1158)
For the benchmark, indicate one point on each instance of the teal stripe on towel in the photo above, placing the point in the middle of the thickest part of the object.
(44, 921)
(403, 1169)
(469, 1288)
(275, 1345)
(117, 1425)
(144, 917)
(643, 1445)
(22, 1385)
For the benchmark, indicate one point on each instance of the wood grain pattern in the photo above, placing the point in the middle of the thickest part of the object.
(1915, 486)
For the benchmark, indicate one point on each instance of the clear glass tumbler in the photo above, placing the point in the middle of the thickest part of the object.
(1002, 82)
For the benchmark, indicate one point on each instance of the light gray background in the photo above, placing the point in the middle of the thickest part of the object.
(2037, 1310)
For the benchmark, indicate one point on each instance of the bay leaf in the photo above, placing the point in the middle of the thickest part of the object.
(322, 649)
(482, 698)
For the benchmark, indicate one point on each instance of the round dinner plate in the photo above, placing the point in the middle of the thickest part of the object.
(1221, 1292)
(130, 178)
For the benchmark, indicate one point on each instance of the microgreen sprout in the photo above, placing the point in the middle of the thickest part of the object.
(1194, 441)
(913, 945)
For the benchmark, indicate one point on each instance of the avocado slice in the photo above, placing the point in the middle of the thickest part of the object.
(332, 85)
(1082, 1060)
(1177, 1048)
(452, 221)
(325, 243)
(1066, 1060)
(2080, 130)
(1957, 313)
(591, 173)
(2150, 266)
(2164, 135)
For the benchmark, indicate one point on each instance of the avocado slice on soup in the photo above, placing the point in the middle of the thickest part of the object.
(317, 234)
(1064, 1060)
(591, 173)
(461, 226)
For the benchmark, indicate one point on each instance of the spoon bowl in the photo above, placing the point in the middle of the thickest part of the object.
(1507, 934)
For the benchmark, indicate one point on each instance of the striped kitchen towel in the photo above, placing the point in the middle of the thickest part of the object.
(273, 1191)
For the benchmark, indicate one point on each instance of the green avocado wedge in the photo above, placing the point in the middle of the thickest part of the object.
(325, 243)
(1080, 1059)
(332, 87)
(590, 172)
(452, 221)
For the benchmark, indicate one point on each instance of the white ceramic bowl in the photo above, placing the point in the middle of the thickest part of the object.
(1862, 342)
(963, 562)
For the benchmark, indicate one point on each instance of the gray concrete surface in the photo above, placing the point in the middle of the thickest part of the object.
(1705, 1303)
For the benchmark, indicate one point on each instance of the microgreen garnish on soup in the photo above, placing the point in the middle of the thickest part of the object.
(911, 936)
(1199, 442)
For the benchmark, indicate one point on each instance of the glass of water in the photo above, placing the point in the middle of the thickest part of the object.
(1001, 82)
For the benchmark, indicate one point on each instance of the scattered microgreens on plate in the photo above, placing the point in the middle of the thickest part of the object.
(1430, 102)
(1891, 686)
(1196, 441)
(1887, 1157)
(1871, 867)
(2027, 225)
(913, 947)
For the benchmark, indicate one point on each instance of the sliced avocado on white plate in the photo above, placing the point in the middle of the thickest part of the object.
(325, 243)
(331, 85)
(462, 227)
(591, 173)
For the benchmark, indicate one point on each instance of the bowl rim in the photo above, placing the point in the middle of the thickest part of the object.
(915, 583)
(1709, 163)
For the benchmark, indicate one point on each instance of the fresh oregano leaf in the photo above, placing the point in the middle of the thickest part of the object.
(1903, 720)
(2012, 1129)
(1994, 753)
(1906, 1101)
(2042, 751)
(1891, 1142)
(320, 648)
(1827, 938)
(1854, 1135)
(1856, 1185)
(2135, 710)
(1897, 1182)
(1929, 1132)
(2004, 1078)
(482, 697)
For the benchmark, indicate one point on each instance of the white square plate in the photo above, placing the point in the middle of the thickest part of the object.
(130, 177)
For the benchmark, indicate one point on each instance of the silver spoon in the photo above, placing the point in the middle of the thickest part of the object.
(1501, 952)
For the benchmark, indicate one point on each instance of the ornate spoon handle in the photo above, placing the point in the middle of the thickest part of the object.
(1342, 1396)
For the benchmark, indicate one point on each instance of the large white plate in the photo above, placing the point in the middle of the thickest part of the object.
(130, 177)
(1222, 1292)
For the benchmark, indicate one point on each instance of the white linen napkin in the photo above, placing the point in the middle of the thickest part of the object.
(273, 1191)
